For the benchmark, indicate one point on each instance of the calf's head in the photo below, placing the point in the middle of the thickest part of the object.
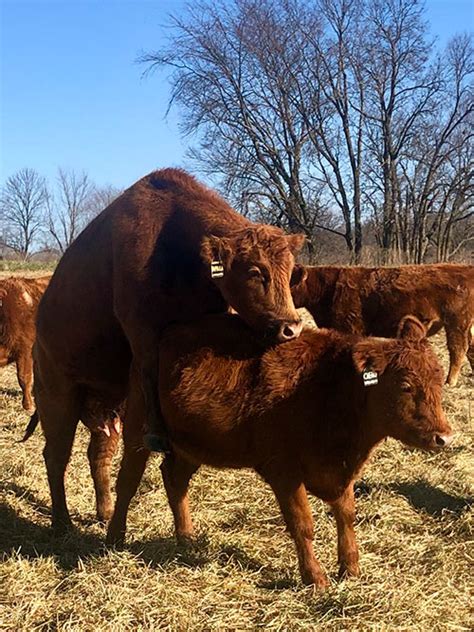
(253, 270)
(404, 381)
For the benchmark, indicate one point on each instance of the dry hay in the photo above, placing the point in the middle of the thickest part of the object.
(414, 529)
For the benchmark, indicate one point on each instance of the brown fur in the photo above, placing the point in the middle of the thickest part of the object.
(372, 301)
(299, 414)
(19, 299)
(143, 263)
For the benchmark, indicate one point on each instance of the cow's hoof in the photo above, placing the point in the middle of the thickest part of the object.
(347, 571)
(104, 513)
(115, 540)
(61, 528)
(316, 581)
(156, 443)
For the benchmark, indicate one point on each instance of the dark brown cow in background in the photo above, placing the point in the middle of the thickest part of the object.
(373, 301)
(305, 415)
(19, 298)
(168, 249)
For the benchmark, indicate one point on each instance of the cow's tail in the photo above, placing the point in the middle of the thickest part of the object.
(30, 428)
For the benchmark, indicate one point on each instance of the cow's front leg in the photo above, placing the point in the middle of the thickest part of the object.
(177, 473)
(347, 552)
(293, 501)
(144, 342)
(470, 351)
(156, 433)
(24, 371)
(133, 464)
(457, 337)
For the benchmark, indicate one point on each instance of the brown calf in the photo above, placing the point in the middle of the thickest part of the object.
(19, 298)
(372, 302)
(299, 414)
(167, 250)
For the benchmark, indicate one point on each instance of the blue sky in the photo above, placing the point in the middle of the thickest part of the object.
(73, 96)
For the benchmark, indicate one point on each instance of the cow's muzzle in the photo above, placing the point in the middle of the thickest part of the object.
(287, 330)
(442, 440)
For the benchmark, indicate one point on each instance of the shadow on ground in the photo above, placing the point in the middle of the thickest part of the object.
(422, 496)
(9, 392)
(33, 540)
(432, 500)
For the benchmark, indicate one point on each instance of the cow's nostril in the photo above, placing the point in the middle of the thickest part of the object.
(289, 330)
(443, 440)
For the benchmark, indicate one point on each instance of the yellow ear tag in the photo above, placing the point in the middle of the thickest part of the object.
(370, 378)
(217, 270)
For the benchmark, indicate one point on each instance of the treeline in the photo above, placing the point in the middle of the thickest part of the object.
(37, 215)
(338, 118)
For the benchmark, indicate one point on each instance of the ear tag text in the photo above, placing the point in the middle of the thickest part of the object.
(370, 378)
(217, 269)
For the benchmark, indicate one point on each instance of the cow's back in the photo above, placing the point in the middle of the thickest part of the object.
(433, 293)
(230, 401)
(78, 321)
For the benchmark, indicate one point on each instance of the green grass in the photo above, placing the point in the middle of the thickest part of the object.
(414, 529)
(28, 268)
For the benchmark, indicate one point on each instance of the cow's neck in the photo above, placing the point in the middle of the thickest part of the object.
(342, 442)
(318, 293)
(222, 223)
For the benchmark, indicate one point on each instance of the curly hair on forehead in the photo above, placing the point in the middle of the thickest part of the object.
(271, 239)
(419, 358)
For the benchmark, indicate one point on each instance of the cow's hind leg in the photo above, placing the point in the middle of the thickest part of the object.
(24, 371)
(100, 452)
(458, 343)
(177, 473)
(347, 552)
(59, 418)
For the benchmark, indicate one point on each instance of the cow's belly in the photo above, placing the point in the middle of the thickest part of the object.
(206, 441)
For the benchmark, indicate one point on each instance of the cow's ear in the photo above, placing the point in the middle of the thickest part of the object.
(370, 355)
(410, 328)
(216, 249)
(295, 242)
(298, 275)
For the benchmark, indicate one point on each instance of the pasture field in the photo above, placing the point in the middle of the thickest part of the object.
(25, 268)
(414, 528)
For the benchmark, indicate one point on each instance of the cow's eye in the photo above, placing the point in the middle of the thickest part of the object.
(406, 387)
(255, 273)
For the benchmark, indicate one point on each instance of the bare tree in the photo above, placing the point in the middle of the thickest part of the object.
(331, 102)
(100, 198)
(23, 200)
(324, 115)
(230, 77)
(68, 208)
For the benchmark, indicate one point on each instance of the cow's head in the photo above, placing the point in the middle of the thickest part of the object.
(253, 270)
(404, 383)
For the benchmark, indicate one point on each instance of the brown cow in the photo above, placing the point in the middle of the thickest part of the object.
(372, 302)
(19, 298)
(168, 249)
(305, 415)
